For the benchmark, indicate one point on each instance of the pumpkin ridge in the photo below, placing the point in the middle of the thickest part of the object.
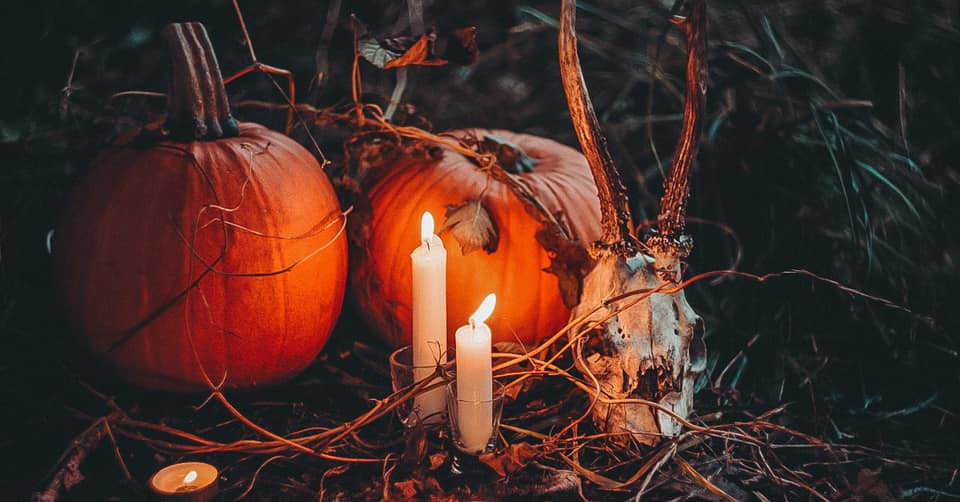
(197, 182)
(163, 220)
(383, 289)
(282, 286)
(206, 336)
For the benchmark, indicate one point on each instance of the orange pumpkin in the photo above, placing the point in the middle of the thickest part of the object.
(529, 303)
(220, 256)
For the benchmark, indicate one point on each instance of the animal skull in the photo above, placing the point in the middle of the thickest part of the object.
(652, 350)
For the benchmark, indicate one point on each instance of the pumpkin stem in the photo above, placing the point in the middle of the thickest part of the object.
(197, 106)
(616, 225)
(668, 242)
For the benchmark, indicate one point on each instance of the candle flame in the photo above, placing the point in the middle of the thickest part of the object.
(484, 310)
(426, 226)
(190, 477)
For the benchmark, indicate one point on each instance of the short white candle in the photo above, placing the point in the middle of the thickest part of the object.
(475, 379)
(429, 316)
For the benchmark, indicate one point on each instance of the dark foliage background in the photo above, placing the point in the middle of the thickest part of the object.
(831, 145)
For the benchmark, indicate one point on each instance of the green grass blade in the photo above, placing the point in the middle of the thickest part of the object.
(872, 171)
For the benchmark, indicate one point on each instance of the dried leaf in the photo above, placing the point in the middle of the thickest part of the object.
(512, 459)
(871, 486)
(405, 490)
(437, 460)
(381, 52)
(415, 450)
(373, 51)
(460, 46)
(420, 53)
(510, 156)
(569, 261)
(429, 49)
(470, 223)
(420, 487)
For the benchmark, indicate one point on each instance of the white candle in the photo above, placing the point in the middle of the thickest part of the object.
(429, 316)
(475, 379)
(193, 481)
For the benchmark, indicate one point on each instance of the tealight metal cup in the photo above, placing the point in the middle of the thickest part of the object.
(185, 482)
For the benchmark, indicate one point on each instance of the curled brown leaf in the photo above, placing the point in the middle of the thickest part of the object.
(429, 49)
(471, 225)
(511, 459)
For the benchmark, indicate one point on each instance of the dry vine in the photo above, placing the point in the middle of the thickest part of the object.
(340, 444)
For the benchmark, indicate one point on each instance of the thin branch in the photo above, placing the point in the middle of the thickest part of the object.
(68, 474)
(703, 481)
(290, 96)
(243, 28)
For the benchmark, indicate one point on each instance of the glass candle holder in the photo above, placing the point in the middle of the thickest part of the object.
(474, 424)
(427, 407)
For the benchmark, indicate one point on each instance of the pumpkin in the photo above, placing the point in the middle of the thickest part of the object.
(513, 263)
(215, 250)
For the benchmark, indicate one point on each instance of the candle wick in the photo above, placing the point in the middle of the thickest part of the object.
(473, 324)
(427, 242)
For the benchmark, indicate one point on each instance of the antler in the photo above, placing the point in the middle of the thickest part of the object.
(616, 225)
(668, 243)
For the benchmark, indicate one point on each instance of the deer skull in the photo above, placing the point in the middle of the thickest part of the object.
(652, 350)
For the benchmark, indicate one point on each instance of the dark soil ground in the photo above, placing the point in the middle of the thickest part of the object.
(831, 145)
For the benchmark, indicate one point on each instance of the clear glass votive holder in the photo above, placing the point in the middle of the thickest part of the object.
(475, 425)
(427, 407)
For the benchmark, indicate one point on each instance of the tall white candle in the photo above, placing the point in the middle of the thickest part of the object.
(475, 379)
(429, 315)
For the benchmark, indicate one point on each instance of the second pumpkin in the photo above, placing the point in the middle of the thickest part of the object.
(488, 230)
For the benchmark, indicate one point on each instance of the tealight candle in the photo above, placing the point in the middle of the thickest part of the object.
(187, 481)
(475, 378)
(429, 262)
